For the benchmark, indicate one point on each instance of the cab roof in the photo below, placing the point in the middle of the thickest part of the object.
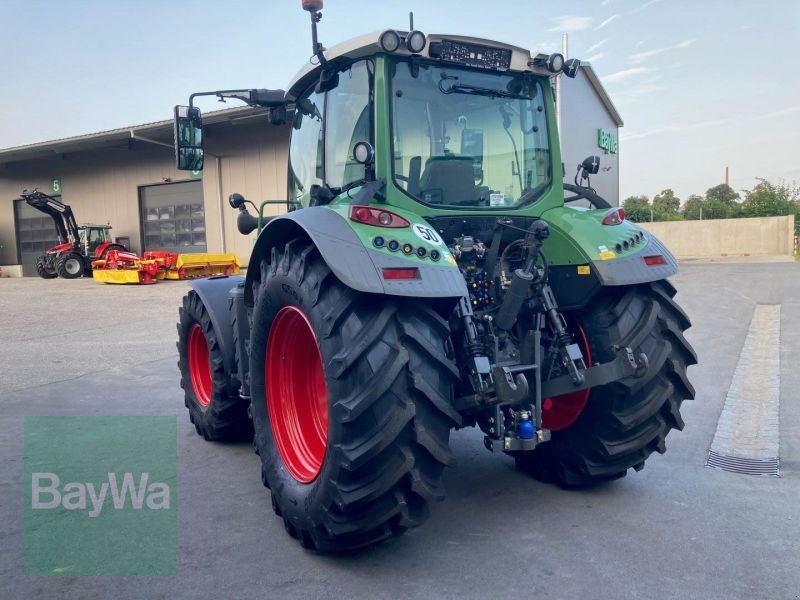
(369, 44)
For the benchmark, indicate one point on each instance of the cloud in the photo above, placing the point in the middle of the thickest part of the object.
(625, 74)
(644, 6)
(607, 2)
(571, 23)
(595, 47)
(640, 57)
(779, 113)
(640, 43)
(595, 57)
(633, 95)
(606, 22)
(645, 133)
(547, 47)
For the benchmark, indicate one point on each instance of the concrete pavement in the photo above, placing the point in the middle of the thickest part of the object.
(675, 530)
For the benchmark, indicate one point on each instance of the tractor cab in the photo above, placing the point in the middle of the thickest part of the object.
(91, 236)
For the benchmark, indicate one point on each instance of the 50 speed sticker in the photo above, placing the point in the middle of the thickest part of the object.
(427, 234)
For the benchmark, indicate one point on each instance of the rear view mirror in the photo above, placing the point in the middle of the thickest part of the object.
(188, 132)
(591, 165)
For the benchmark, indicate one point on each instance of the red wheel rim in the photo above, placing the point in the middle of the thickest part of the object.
(562, 411)
(297, 396)
(199, 365)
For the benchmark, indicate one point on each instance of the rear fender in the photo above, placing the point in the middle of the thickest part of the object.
(353, 258)
(215, 294)
(614, 253)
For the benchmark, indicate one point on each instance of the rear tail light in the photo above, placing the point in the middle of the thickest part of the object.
(655, 260)
(402, 273)
(377, 217)
(615, 216)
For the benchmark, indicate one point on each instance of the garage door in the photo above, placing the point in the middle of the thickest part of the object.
(173, 218)
(35, 234)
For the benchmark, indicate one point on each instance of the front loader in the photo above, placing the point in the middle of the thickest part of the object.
(429, 273)
(78, 245)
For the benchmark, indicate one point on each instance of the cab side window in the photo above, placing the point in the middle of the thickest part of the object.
(349, 122)
(306, 148)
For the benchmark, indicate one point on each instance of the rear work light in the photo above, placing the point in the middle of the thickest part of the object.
(615, 216)
(401, 273)
(377, 217)
(655, 260)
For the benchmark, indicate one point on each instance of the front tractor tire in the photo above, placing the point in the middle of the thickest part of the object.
(70, 266)
(212, 397)
(45, 268)
(625, 421)
(350, 403)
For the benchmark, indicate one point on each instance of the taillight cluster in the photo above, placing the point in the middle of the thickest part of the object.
(377, 217)
(615, 216)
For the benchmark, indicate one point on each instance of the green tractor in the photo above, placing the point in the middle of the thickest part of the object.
(428, 275)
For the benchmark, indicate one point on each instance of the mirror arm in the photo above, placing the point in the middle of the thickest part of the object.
(264, 204)
(252, 97)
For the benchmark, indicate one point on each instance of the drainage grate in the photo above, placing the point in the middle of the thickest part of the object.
(767, 467)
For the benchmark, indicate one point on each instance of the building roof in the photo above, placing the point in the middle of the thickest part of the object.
(159, 132)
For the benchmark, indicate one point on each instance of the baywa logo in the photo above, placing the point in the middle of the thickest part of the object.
(86, 496)
(101, 495)
(607, 141)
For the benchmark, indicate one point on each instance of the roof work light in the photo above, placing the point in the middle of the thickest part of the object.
(390, 40)
(415, 42)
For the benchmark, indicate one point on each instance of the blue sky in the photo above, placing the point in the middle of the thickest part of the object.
(700, 84)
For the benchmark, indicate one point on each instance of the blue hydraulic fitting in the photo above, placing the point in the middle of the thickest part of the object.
(525, 429)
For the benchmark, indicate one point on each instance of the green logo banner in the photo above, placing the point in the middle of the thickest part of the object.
(100, 495)
(607, 141)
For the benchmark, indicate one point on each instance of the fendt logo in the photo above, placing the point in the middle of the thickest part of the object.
(46, 493)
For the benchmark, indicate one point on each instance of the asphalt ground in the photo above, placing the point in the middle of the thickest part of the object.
(675, 530)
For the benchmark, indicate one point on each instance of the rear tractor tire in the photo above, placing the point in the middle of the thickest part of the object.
(210, 394)
(350, 403)
(625, 421)
(70, 266)
(45, 268)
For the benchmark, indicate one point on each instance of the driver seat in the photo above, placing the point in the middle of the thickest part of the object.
(448, 180)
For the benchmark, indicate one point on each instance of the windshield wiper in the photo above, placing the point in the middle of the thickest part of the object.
(474, 90)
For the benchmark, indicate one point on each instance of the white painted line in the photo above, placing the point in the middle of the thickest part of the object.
(748, 427)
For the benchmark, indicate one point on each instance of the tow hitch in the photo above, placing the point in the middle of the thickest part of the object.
(516, 430)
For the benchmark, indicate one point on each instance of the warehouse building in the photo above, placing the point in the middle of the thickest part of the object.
(127, 178)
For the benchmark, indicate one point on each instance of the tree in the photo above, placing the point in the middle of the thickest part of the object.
(666, 205)
(722, 193)
(769, 200)
(721, 202)
(717, 209)
(693, 208)
(637, 208)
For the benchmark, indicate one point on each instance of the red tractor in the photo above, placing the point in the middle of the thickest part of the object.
(78, 245)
